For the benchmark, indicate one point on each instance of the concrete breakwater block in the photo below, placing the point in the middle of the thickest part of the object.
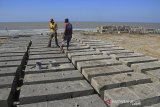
(47, 56)
(11, 54)
(110, 48)
(116, 52)
(142, 67)
(89, 73)
(46, 61)
(6, 81)
(81, 50)
(103, 46)
(77, 48)
(51, 77)
(10, 63)
(126, 55)
(137, 95)
(102, 83)
(44, 49)
(97, 43)
(5, 100)
(154, 74)
(11, 58)
(85, 101)
(54, 91)
(76, 59)
(8, 71)
(58, 67)
(45, 52)
(133, 60)
(12, 50)
(70, 55)
(97, 63)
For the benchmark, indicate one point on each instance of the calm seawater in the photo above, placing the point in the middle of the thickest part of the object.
(15, 28)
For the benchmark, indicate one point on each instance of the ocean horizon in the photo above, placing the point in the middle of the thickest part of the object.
(17, 28)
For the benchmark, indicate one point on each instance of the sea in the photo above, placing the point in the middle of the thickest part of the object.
(25, 28)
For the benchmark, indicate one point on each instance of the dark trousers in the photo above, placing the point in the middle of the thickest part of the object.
(51, 35)
(68, 39)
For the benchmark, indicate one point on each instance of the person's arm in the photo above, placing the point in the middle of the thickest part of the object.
(51, 26)
(65, 26)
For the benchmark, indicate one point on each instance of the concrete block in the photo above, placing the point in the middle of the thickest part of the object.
(11, 58)
(46, 61)
(85, 101)
(120, 97)
(102, 83)
(45, 52)
(142, 67)
(126, 55)
(116, 52)
(45, 49)
(82, 50)
(154, 74)
(47, 56)
(102, 47)
(133, 60)
(89, 73)
(77, 48)
(76, 59)
(10, 63)
(5, 101)
(8, 71)
(11, 54)
(59, 67)
(96, 63)
(52, 77)
(110, 48)
(147, 94)
(6, 81)
(70, 55)
(54, 91)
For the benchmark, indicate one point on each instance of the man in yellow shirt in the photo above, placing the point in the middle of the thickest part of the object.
(53, 32)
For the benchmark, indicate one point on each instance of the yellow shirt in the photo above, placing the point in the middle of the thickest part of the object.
(53, 27)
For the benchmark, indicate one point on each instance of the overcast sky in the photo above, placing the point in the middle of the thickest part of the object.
(80, 10)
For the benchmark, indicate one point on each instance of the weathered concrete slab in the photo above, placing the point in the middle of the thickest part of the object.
(85, 101)
(103, 46)
(77, 48)
(58, 67)
(97, 43)
(6, 81)
(8, 71)
(116, 52)
(11, 54)
(82, 50)
(109, 48)
(11, 58)
(46, 56)
(102, 83)
(45, 52)
(142, 67)
(10, 63)
(44, 49)
(70, 55)
(126, 55)
(52, 77)
(97, 63)
(4, 97)
(133, 60)
(12, 50)
(54, 91)
(46, 61)
(154, 74)
(137, 95)
(89, 73)
(76, 59)
(120, 97)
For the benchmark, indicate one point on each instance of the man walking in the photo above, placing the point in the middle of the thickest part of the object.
(53, 32)
(67, 32)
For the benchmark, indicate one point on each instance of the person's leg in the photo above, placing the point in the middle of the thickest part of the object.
(50, 39)
(56, 40)
(68, 40)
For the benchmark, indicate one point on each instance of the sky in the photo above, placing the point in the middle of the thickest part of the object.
(80, 10)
